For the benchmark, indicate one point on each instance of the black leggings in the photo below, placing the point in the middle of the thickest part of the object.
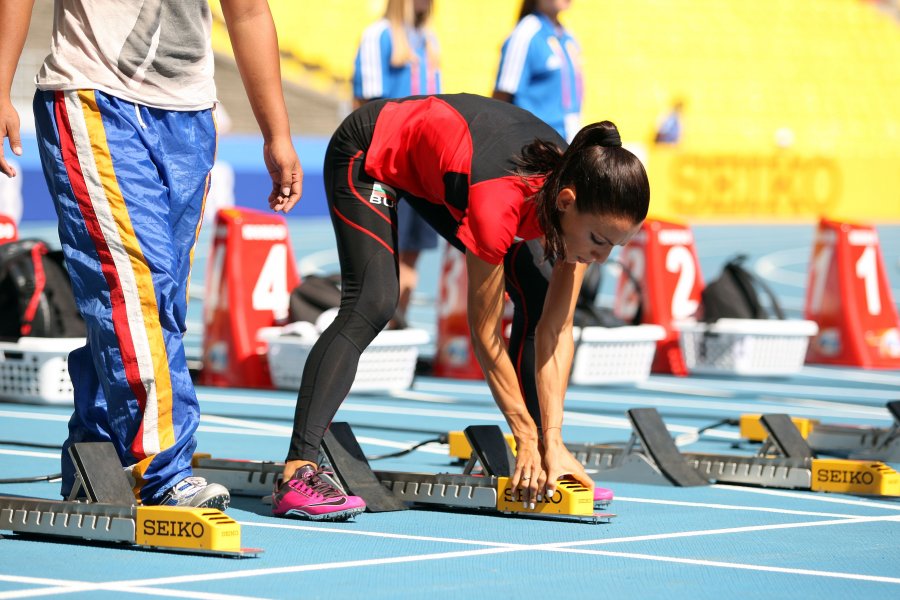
(365, 225)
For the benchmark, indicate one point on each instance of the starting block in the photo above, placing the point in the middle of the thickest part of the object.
(487, 491)
(785, 460)
(852, 441)
(108, 513)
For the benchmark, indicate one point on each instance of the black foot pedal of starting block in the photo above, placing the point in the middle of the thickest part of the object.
(351, 467)
(659, 445)
(784, 437)
(99, 473)
(489, 447)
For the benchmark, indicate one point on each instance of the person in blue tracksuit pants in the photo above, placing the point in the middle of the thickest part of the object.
(126, 132)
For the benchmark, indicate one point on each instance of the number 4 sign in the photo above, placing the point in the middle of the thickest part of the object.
(248, 283)
(848, 295)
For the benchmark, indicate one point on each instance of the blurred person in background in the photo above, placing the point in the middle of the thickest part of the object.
(669, 129)
(540, 67)
(397, 57)
(127, 138)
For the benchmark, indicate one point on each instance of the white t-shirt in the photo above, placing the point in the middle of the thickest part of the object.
(156, 53)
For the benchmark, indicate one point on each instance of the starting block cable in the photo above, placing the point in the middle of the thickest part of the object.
(691, 437)
(442, 439)
(33, 478)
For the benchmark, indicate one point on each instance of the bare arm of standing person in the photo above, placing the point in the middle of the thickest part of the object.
(15, 16)
(554, 349)
(255, 44)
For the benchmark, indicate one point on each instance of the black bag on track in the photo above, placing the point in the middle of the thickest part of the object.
(36, 296)
(313, 296)
(737, 294)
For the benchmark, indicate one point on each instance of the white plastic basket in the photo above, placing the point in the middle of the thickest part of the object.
(389, 363)
(613, 355)
(746, 346)
(35, 370)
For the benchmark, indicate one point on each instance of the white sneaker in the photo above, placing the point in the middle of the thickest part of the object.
(196, 492)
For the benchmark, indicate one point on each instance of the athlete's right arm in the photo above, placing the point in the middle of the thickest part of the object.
(15, 17)
(485, 311)
(255, 45)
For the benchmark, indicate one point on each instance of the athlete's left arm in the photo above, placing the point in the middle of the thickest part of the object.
(255, 44)
(554, 349)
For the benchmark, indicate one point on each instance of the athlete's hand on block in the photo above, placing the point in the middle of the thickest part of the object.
(286, 173)
(528, 477)
(558, 461)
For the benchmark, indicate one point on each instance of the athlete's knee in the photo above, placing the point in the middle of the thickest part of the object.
(378, 306)
(380, 291)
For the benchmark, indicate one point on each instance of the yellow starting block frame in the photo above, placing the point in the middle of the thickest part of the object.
(167, 528)
(459, 447)
(852, 441)
(489, 491)
(751, 427)
(108, 513)
(784, 461)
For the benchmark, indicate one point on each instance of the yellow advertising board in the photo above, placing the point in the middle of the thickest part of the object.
(775, 186)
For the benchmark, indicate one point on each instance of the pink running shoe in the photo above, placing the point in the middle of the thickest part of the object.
(602, 497)
(310, 494)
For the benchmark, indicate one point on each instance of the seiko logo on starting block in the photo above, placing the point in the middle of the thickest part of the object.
(189, 528)
(570, 498)
(675, 237)
(265, 232)
(855, 477)
(556, 498)
(174, 528)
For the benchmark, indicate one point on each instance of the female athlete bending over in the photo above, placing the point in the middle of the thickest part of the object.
(501, 186)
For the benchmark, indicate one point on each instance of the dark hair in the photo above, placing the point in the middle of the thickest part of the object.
(607, 178)
(528, 7)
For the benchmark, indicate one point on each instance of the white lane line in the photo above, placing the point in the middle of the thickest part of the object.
(783, 511)
(508, 548)
(246, 400)
(768, 403)
(30, 454)
(116, 587)
(852, 375)
(14, 414)
(423, 397)
(860, 410)
(739, 566)
(818, 497)
(770, 266)
(722, 531)
(196, 578)
(810, 408)
(787, 387)
(381, 534)
(664, 386)
(254, 428)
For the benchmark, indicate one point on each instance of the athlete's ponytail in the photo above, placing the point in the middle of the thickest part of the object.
(607, 179)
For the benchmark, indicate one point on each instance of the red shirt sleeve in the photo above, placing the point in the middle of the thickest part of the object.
(491, 222)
